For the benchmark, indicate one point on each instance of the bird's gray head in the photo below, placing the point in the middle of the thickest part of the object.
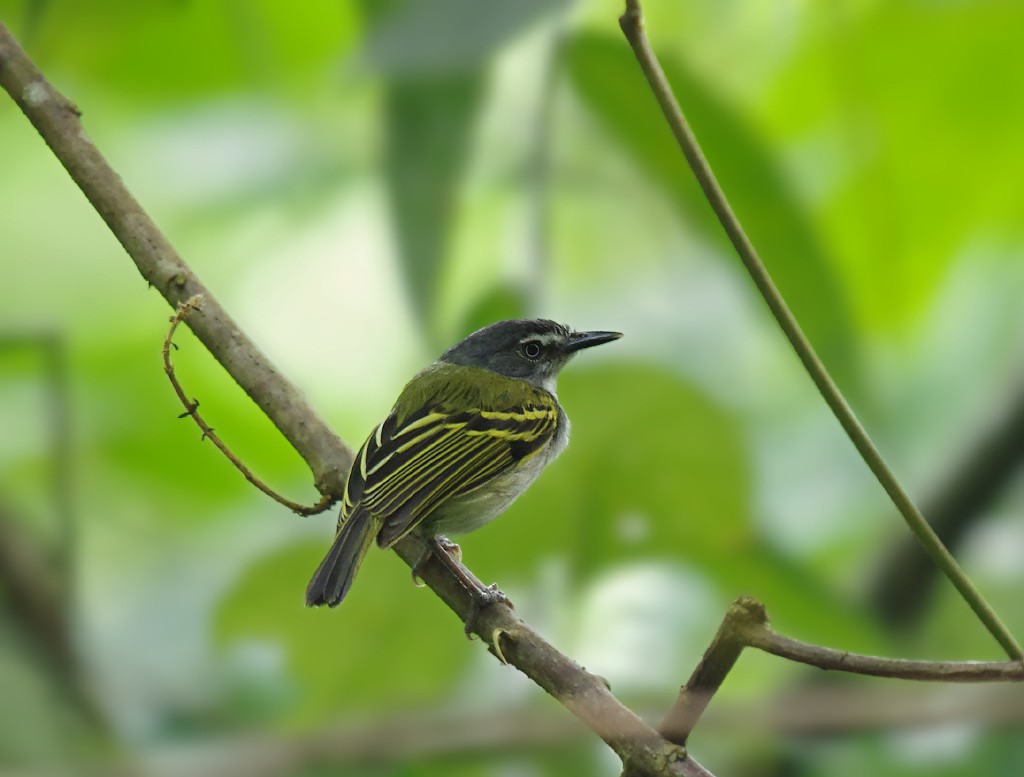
(533, 350)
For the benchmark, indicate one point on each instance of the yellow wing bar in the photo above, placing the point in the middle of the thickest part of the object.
(402, 474)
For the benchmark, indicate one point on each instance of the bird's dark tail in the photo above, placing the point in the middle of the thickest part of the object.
(336, 572)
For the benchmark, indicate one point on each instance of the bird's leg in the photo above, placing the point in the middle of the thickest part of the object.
(441, 547)
(480, 595)
(417, 568)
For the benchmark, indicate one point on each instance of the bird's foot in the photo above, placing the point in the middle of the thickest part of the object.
(451, 548)
(449, 554)
(481, 598)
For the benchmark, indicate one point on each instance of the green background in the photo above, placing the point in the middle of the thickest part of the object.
(362, 184)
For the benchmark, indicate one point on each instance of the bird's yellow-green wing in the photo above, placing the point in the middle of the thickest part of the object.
(452, 438)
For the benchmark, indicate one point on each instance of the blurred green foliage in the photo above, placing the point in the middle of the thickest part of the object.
(364, 183)
(607, 77)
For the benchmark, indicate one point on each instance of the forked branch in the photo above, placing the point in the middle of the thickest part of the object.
(746, 625)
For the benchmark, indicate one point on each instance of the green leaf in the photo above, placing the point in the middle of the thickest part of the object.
(435, 55)
(923, 136)
(389, 642)
(654, 468)
(429, 126)
(609, 81)
(448, 35)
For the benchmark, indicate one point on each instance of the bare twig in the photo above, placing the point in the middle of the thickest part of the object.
(192, 411)
(755, 631)
(746, 625)
(633, 27)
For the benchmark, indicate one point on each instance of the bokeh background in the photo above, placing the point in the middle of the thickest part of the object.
(364, 183)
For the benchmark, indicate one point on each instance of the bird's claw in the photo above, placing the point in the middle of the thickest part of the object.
(480, 599)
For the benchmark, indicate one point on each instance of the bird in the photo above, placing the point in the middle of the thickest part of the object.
(466, 437)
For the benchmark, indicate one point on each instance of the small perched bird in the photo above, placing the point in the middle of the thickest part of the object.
(467, 435)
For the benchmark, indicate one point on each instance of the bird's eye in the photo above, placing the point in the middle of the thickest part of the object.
(531, 349)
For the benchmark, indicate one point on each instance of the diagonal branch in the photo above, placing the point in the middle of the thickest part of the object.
(643, 751)
(632, 24)
(57, 119)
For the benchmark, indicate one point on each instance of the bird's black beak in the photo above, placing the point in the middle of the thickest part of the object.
(580, 340)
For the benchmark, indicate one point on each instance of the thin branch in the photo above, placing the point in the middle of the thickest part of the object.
(192, 411)
(369, 742)
(39, 582)
(50, 345)
(430, 733)
(759, 634)
(714, 667)
(33, 587)
(57, 120)
(746, 625)
(642, 750)
(433, 733)
(633, 27)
